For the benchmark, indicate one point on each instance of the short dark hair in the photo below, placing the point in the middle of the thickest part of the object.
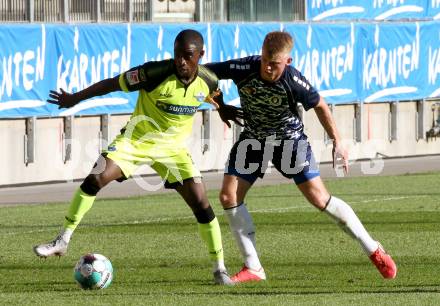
(190, 36)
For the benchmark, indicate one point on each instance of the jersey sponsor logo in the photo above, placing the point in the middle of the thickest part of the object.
(240, 67)
(176, 109)
(200, 97)
(132, 77)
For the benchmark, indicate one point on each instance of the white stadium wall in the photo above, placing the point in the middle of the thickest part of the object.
(48, 162)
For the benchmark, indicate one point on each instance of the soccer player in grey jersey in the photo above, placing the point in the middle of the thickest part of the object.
(270, 89)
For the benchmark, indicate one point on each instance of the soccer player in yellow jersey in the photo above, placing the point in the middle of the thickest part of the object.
(170, 92)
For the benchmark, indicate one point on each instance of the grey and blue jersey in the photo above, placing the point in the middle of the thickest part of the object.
(270, 109)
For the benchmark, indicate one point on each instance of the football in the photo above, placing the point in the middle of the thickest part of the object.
(93, 271)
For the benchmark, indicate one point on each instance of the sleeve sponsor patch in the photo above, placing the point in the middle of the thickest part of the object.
(132, 77)
(301, 82)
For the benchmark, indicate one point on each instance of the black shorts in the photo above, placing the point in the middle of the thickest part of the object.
(249, 159)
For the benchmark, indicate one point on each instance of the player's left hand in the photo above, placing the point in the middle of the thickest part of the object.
(340, 156)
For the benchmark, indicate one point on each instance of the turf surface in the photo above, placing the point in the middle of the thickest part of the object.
(159, 258)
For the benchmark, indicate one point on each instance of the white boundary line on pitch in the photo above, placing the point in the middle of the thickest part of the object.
(158, 220)
(350, 203)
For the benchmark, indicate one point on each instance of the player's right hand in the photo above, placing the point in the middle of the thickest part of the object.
(340, 156)
(62, 99)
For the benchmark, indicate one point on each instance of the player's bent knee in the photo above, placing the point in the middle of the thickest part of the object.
(204, 216)
(227, 199)
(318, 199)
(91, 185)
(321, 202)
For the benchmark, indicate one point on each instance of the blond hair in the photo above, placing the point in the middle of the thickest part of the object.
(277, 42)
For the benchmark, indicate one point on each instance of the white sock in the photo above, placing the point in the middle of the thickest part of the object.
(344, 215)
(66, 234)
(219, 265)
(243, 229)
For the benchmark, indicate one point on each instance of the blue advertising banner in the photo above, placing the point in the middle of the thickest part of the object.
(346, 62)
(325, 55)
(24, 66)
(390, 62)
(235, 41)
(376, 10)
(431, 55)
(90, 53)
(433, 10)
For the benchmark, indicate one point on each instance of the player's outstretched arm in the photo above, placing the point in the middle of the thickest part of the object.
(226, 112)
(340, 154)
(65, 100)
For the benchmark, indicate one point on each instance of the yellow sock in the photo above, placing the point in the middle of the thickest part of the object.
(211, 234)
(80, 205)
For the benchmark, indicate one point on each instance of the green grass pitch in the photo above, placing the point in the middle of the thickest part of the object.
(159, 258)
